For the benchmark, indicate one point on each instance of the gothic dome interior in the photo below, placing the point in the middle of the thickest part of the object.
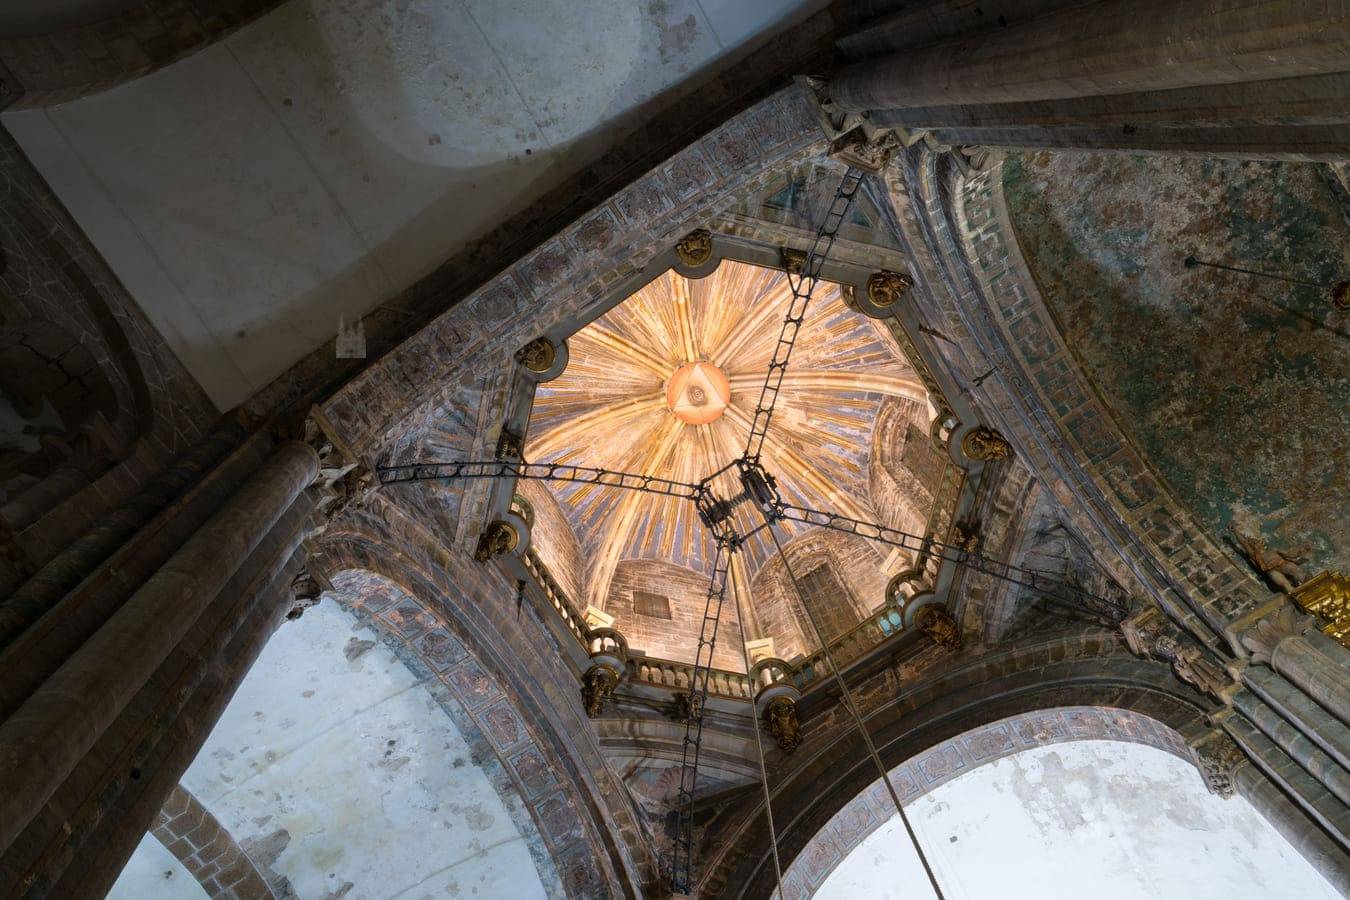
(641, 557)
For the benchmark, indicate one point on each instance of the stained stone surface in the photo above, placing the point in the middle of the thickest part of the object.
(1100, 819)
(340, 770)
(1234, 387)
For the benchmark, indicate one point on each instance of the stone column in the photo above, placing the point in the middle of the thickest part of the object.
(48, 736)
(1106, 48)
(1312, 842)
(1297, 707)
(1289, 642)
(1292, 741)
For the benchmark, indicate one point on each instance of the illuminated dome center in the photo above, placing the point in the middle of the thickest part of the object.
(698, 393)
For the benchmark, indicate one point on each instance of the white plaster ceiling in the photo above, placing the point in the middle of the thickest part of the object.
(327, 156)
(1101, 819)
(336, 761)
(154, 872)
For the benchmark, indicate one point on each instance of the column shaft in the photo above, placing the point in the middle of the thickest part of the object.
(1312, 668)
(46, 738)
(1311, 718)
(1110, 47)
(1291, 740)
(1311, 841)
(1319, 803)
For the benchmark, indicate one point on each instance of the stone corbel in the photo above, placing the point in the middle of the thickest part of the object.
(985, 444)
(609, 662)
(1218, 758)
(938, 624)
(783, 723)
(776, 697)
(306, 589)
(497, 539)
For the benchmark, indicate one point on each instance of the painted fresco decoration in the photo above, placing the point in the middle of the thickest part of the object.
(666, 383)
(1234, 387)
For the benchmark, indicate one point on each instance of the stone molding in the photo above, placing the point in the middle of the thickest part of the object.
(913, 779)
(207, 850)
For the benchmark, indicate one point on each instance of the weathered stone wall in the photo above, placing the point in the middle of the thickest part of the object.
(675, 638)
(1233, 386)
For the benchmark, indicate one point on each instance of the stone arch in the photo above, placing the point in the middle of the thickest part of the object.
(208, 851)
(454, 599)
(905, 467)
(980, 746)
(980, 687)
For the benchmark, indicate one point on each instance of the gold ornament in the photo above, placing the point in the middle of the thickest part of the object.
(597, 686)
(886, 288)
(783, 723)
(695, 248)
(985, 444)
(538, 355)
(938, 624)
(498, 538)
(1327, 596)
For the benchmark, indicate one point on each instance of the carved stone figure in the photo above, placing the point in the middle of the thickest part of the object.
(695, 248)
(1218, 759)
(510, 445)
(866, 151)
(686, 706)
(938, 624)
(1280, 569)
(885, 288)
(966, 535)
(597, 686)
(985, 444)
(1192, 666)
(498, 538)
(793, 260)
(783, 723)
(538, 355)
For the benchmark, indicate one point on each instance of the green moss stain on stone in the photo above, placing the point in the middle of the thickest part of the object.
(1237, 388)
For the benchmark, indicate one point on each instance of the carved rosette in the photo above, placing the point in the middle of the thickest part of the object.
(597, 686)
(885, 288)
(938, 624)
(497, 539)
(538, 355)
(695, 248)
(1218, 758)
(783, 724)
(985, 444)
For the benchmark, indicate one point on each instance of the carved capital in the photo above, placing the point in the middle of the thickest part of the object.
(939, 625)
(695, 248)
(783, 724)
(1284, 623)
(985, 444)
(1218, 758)
(497, 539)
(885, 288)
(597, 686)
(538, 355)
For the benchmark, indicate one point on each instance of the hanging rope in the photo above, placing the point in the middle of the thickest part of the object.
(853, 711)
(759, 741)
